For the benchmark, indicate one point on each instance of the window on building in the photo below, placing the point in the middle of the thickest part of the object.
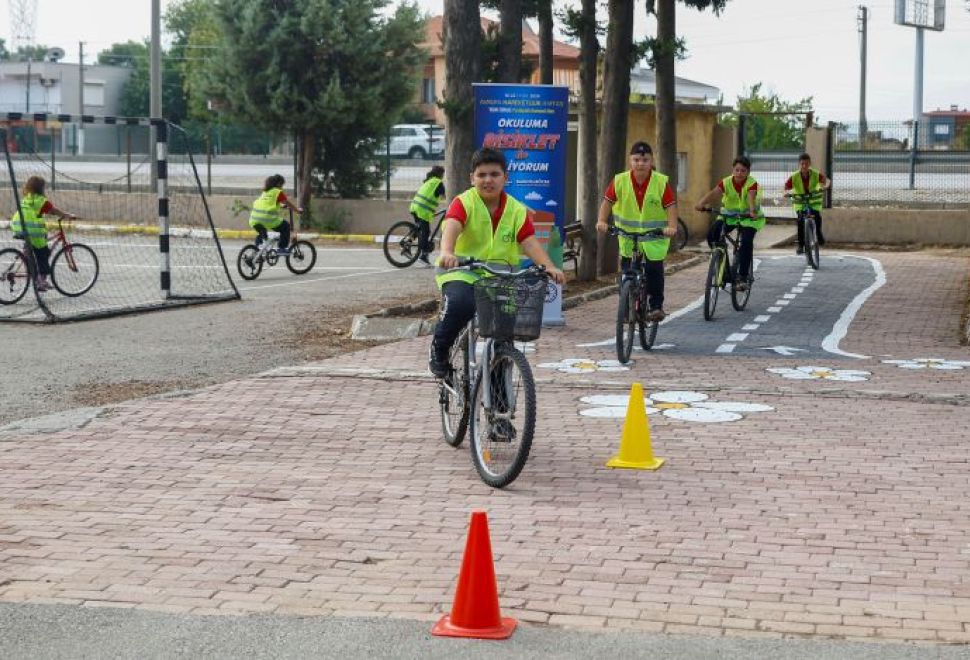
(427, 91)
(93, 93)
(941, 129)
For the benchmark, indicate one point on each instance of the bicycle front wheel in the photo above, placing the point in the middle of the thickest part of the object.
(301, 258)
(501, 434)
(712, 285)
(247, 264)
(626, 321)
(74, 269)
(679, 241)
(811, 243)
(453, 393)
(401, 244)
(14, 276)
(739, 299)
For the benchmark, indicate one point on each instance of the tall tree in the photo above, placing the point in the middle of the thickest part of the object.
(510, 41)
(135, 95)
(772, 123)
(617, 63)
(194, 28)
(544, 14)
(462, 36)
(337, 73)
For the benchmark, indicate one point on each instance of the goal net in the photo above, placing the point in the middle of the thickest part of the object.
(143, 237)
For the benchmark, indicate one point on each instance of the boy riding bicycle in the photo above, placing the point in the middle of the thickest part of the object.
(28, 224)
(641, 199)
(806, 181)
(267, 213)
(487, 224)
(425, 205)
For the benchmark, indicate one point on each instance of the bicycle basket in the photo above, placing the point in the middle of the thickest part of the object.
(510, 307)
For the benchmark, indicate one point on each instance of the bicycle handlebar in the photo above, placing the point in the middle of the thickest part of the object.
(727, 214)
(806, 196)
(613, 230)
(469, 264)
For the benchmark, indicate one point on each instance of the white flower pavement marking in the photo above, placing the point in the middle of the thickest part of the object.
(685, 406)
(823, 373)
(929, 363)
(583, 366)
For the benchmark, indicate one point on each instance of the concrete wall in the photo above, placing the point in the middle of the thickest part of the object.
(897, 226)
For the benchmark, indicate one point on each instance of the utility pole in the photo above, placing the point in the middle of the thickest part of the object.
(863, 19)
(155, 85)
(29, 62)
(80, 98)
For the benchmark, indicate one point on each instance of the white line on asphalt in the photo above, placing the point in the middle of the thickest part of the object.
(782, 302)
(725, 348)
(737, 336)
(763, 318)
(751, 326)
(797, 289)
(788, 296)
(319, 279)
(841, 327)
(683, 310)
(774, 310)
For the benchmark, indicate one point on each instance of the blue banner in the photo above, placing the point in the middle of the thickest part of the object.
(528, 123)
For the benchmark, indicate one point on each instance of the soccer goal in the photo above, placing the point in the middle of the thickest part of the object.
(143, 237)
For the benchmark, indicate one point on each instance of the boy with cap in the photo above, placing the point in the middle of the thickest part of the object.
(641, 200)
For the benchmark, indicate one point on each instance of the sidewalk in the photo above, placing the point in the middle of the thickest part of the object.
(325, 490)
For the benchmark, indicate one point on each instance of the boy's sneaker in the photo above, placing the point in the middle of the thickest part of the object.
(424, 259)
(656, 315)
(437, 369)
(42, 285)
(800, 249)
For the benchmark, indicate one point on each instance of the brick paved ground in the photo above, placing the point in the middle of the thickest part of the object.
(327, 490)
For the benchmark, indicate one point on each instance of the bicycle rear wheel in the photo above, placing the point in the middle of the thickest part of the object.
(301, 258)
(712, 285)
(74, 269)
(14, 276)
(247, 264)
(626, 321)
(401, 244)
(811, 243)
(739, 299)
(453, 393)
(502, 436)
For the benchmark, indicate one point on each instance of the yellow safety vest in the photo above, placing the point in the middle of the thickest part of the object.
(732, 201)
(499, 248)
(798, 187)
(29, 215)
(266, 211)
(425, 202)
(630, 217)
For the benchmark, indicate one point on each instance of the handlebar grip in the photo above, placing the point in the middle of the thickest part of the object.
(466, 261)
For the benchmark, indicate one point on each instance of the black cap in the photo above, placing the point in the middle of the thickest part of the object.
(641, 148)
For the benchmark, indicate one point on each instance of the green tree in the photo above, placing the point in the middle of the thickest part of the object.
(194, 28)
(771, 123)
(336, 73)
(136, 94)
(541, 10)
(4, 53)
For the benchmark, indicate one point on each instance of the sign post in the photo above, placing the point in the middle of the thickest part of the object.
(528, 123)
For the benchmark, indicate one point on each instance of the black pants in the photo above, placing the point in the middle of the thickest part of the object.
(283, 228)
(745, 247)
(424, 232)
(818, 229)
(42, 256)
(457, 309)
(654, 271)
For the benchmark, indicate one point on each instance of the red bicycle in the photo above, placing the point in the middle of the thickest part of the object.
(74, 268)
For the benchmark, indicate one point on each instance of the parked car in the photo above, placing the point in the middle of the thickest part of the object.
(416, 141)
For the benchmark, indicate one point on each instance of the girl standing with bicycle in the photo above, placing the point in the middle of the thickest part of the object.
(28, 223)
(641, 200)
(267, 215)
(487, 224)
(425, 205)
(739, 193)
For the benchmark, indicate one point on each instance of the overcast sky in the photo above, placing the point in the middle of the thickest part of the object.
(796, 47)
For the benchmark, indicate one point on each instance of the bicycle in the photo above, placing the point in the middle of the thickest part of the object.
(401, 242)
(251, 258)
(74, 268)
(679, 241)
(489, 389)
(720, 263)
(807, 216)
(634, 294)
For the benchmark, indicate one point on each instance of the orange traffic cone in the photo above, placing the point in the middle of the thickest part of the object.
(475, 612)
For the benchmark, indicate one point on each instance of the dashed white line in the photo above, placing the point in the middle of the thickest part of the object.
(782, 302)
(725, 348)
(737, 336)
(751, 326)
(763, 318)
(788, 296)
(774, 310)
(797, 289)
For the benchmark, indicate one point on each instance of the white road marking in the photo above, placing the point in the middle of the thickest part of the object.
(797, 289)
(841, 327)
(670, 317)
(788, 296)
(737, 336)
(725, 348)
(318, 279)
(782, 302)
(763, 318)
(751, 326)
(774, 310)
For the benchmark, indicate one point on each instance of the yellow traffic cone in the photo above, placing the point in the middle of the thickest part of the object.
(635, 450)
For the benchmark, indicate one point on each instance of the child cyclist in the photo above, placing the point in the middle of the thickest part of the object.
(641, 200)
(739, 193)
(28, 224)
(425, 205)
(487, 224)
(805, 181)
(267, 213)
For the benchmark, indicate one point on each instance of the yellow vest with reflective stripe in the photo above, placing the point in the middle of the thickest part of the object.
(798, 187)
(425, 202)
(29, 215)
(266, 211)
(630, 217)
(738, 203)
(499, 248)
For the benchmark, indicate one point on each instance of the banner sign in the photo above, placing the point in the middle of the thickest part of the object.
(528, 123)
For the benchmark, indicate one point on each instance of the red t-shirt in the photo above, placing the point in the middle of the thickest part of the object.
(738, 187)
(805, 180)
(281, 198)
(45, 208)
(457, 212)
(668, 198)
